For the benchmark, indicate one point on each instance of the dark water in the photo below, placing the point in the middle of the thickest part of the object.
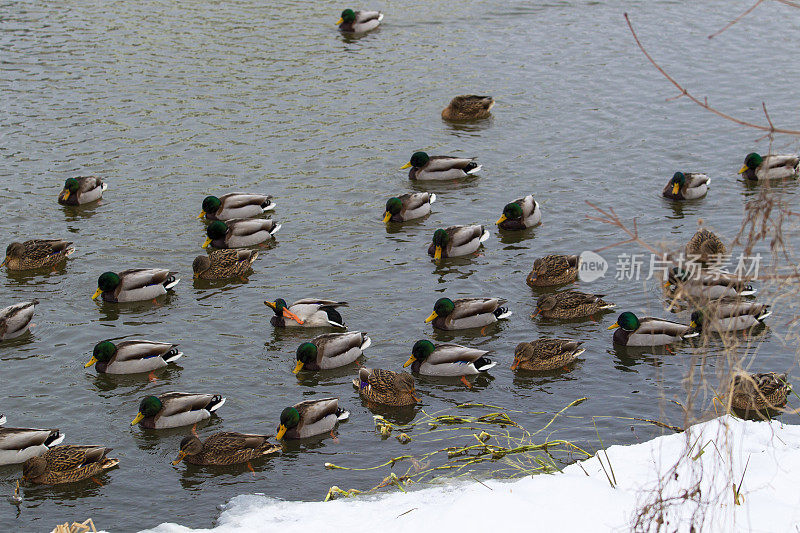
(172, 101)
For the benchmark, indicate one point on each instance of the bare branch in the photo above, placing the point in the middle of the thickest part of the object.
(770, 129)
(737, 19)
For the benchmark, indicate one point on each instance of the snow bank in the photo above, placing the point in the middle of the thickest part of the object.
(581, 498)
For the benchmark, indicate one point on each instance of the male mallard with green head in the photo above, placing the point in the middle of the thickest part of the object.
(307, 312)
(385, 387)
(465, 313)
(408, 206)
(770, 167)
(132, 357)
(468, 107)
(135, 285)
(331, 350)
(174, 409)
(522, 213)
(310, 418)
(240, 232)
(236, 205)
(648, 331)
(431, 359)
(81, 190)
(457, 241)
(36, 253)
(439, 167)
(225, 448)
(686, 186)
(359, 21)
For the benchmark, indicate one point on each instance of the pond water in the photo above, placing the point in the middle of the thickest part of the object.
(169, 102)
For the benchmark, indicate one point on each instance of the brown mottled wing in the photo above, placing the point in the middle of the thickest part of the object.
(465, 307)
(228, 442)
(70, 456)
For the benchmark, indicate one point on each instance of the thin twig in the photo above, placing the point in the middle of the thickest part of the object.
(737, 19)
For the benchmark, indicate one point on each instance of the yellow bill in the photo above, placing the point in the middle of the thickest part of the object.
(139, 417)
(97, 293)
(431, 318)
(202, 214)
(502, 219)
(407, 165)
(207, 242)
(693, 324)
(409, 362)
(386, 217)
(339, 21)
(667, 284)
(281, 432)
(613, 326)
(675, 188)
(742, 170)
(515, 364)
(181, 455)
(66, 194)
(438, 253)
(92, 361)
(298, 367)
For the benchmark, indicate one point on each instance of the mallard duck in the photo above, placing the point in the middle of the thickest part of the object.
(223, 264)
(706, 246)
(553, 270)
(225, 448)
(648, 331)
(522, 213)
(385, 387)
(308, 312)
(331, 350)
(761, 391)
(468, 107)
(309, 418)
(17, 445)
(240, 232)
(36, 253)
(81, 190)
(722, 317)
(135, 285)
(408, 206)
(770, 167)
(132, 357)
(686, 186)
(447, 360)
(571, 304)
(174, 409)
(467, 313)
(359, 21)
(66, 464)
(16, 319)
(457, 241)
(236, 205)
(545, 354)
(440, 167)
(703, 286)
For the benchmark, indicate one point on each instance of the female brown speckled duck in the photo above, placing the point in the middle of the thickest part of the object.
(468, 107)
(66, 464)
(223, 264)
(36, 253)
(545, 354)
(553, 270)
(571, 304)
(385, 387)
(706, 246)
(756, 392)
(225, 448)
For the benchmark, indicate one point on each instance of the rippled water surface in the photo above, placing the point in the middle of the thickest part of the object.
(171, 101)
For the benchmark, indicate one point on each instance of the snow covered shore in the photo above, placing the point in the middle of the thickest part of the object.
(581, 498)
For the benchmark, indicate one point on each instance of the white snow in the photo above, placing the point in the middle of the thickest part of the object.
(572, 500)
